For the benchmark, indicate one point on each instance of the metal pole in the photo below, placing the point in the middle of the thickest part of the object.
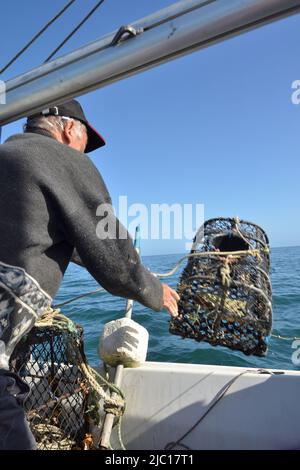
(180, 29)
(109, 418)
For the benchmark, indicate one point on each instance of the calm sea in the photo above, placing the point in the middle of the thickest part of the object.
(94, 311)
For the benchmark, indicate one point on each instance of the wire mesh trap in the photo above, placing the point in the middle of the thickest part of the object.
(61, 406)
(225, 289)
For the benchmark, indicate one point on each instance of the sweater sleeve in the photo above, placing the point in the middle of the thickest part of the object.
(103, 245)
(76, 258)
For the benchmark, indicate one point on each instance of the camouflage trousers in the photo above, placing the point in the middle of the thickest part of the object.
(22, 302)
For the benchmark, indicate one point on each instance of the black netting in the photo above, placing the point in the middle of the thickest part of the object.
(57, 407)
(226, 299)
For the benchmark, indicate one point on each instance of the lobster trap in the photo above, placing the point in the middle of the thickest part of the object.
(225, 289)
(61, 406)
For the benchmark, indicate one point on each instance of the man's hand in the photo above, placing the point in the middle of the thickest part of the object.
(170, 299)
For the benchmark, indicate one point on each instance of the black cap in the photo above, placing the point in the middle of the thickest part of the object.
(73, 109)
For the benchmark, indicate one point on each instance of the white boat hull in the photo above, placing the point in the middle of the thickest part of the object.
(165, 401)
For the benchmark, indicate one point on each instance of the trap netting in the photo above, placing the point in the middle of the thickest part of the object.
(225, 289)
(63, 405)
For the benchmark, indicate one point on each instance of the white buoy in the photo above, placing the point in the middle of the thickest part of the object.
(125, 342)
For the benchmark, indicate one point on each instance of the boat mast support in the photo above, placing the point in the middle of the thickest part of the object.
(177, 30)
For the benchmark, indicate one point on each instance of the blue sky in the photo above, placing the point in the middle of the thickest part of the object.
(216, 127)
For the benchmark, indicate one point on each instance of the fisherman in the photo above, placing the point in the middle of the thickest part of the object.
(51, 198)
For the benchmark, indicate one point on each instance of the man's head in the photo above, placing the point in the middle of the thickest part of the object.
(68, 125)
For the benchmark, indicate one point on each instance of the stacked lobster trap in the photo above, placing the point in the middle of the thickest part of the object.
(65, 404)
(225, 289)
(56, 406)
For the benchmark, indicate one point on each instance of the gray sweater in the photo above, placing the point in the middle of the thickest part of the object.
(48, 202)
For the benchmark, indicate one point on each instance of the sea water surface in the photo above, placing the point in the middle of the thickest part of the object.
(94, 311)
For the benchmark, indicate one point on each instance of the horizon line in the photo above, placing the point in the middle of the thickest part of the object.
(184, 253)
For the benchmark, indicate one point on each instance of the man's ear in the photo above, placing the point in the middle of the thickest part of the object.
(67, 132)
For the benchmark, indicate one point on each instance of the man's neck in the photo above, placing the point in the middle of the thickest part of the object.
(39, 130)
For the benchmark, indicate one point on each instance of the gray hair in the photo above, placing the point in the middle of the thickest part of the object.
(53, 123)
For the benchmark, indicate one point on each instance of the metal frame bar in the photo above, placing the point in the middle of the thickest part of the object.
(182, 28)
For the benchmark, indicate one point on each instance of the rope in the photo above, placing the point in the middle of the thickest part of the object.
(225, 273)
(117, 407)
(286, 338)
(214, 402)
(79, 297)
(60, 13)
(232, 254)
(53, 317)
(91, 12)
(237, 229)
(225, 278)
(120, 434)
